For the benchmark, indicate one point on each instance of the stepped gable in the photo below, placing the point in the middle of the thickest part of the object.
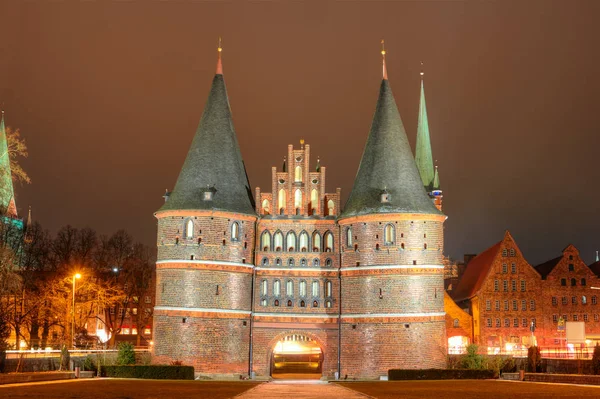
(387, 165)
(214, 162)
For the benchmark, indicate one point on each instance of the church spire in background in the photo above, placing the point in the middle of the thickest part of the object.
(219, 62)
(423, 155)
(385, 76)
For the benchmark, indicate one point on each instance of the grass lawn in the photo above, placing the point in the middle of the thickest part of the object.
(128, 389)
(470, 389)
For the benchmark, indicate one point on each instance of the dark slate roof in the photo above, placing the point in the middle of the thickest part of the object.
(544, 269)
(388, 163)
(214, 162)
(475, 274)
(595, 268)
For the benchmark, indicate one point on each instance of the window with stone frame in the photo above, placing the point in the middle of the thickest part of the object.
(315, 289)
(563, 282)
(513, 268)
(497, 305)
(504, 268)
(523, 304)
(524, 322)
(564, 300)
(515, 305)
(263, 302)
(488, 305)
(328, 289)
(505, 285)
(302, 288)
(594, 300)
(513, 284)
(349, 237)
(303, 241)
(506, 322)
(584, 300)
(596, 317)
(583, 282)
(523, 285)
(265, 241)
(289, 288)
(495, 285)
(235, 231)
(389, 233)
(555, 318)
(328, 303)
(575, 317)
(554, 301)
(264, 291)
(573, 282)
(574, 300)
(189, 229)
(276, 288)
(585, 317)
(532, 304)
(506, 305)
(489, 322)
(515, 322)
(498, 323)
(328, 239)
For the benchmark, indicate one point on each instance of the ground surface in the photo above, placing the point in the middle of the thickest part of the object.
(471, 389)
(126, 389)
(152, 389)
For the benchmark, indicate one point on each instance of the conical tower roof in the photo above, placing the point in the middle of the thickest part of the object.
(387, 165)
(7, 193)
(423, 156)
(214, 161)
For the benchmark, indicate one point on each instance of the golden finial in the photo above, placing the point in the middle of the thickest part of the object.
(382, 47)
(301, 141)
(422, 73)
(219, 62)
(383, 59)
(220, 48)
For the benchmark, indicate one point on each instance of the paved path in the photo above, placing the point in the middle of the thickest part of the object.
(296, 389)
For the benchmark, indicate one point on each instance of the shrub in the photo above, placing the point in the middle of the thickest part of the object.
(149, 372)
(440, 374)
(596, 360)
(472, 360)
(89, 364)
(534, 359)
(126, 354)
(65, 358)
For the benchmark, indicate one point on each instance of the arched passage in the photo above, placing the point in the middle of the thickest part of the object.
(296, 356)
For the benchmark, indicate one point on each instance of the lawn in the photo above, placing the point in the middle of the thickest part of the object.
(128, 389)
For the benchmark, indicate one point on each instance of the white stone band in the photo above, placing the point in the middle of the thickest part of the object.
(205, 262)
(388, 267)
(206, 310)
(432, 314)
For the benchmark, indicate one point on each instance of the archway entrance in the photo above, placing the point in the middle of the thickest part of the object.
(296, 357)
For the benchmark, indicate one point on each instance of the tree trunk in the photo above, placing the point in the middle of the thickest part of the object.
(45, 333)
(34, 337)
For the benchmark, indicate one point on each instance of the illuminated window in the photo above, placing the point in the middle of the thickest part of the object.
(291, 241)
(303, 241)
(265, 206)
(189, 229)
(235, 231)
(389, 234)
(125, 331)
(331, 208)
(328, 238)
(584, 300)
(455, 323)
(134, 311)
(314, 201)
(349, 237)
(289, 288)
(298, 174)
(281, 201)
(298, 199)
(315, 288)
(265, 241)
(276, 288)
(278, 241)
(134, 331)
(316, 241)
(147, 331)
(327, 289)
(264, 290)
(302, 289)
(148, 299)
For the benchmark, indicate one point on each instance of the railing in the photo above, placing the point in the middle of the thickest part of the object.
(40, 353)
(547, 352)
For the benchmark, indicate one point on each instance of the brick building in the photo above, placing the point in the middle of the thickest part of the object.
(505, 295)
(254, 283)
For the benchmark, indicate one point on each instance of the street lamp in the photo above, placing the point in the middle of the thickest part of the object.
(75, 277)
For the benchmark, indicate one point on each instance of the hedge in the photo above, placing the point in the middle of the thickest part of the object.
(149, 372)
(440, 374)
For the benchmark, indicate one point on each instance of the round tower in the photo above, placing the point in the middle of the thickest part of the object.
(205, 240)
(392, 287)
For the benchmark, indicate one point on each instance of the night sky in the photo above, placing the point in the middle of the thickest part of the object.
(109, 94)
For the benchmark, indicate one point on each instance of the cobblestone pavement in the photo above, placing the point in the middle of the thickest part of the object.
(300, 389)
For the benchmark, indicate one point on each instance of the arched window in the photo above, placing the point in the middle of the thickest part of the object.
(281, 201)
(298, 174)
(315, 304)
(291, 241)
(388, 234)
(289, 288)
(298, 199)
(328, 303)
(583, 282)
(289, 303)
(291, 262)
(265, 261)
(315, 289)
(264, 284)
(235, 231)
(316, 262)
(328, 238)
(328, 262)
(276, 288)
(584, 300)
(265, 207)
(455, 323)
(330, 208)
(316, 241)
(573, 282)
(302, 288)
(276, 303)
(349, 237)
(303, 241)
(278, 261)
(314, 201)
(265, 241)
(263, 302)
(303, 262)
(327, 289)
(302, 304)
(189, 229)
(278, 241)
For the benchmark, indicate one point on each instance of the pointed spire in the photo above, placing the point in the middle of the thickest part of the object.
(436, 179)
(284, 166)
(385, 76)
(28, 227)
(423, 155)
(219, 62)
(7, 194)
(318, 167)
(387, 167)
(597, 257)
(213, 176)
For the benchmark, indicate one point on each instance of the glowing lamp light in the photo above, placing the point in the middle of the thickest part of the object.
(77, 276)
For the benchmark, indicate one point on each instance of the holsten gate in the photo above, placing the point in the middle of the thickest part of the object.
(286, 280)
